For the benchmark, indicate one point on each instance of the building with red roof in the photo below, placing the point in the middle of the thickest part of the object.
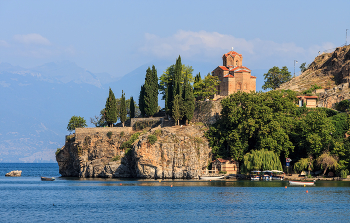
(233, 76)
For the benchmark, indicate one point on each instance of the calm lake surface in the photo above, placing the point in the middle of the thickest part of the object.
(28, 199)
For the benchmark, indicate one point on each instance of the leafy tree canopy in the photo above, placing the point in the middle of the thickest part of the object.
(205, 89)
(275, 77)
(76, 122)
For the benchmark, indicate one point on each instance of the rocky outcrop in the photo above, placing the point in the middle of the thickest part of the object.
(178, 152)
(14, 173)
(331, 71)
(207, 112)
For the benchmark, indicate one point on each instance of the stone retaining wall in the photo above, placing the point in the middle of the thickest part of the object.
(81, 133)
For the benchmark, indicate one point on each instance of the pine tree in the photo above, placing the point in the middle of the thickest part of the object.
(123, 113)
(142, 101)
(132, 107)
(111, 109)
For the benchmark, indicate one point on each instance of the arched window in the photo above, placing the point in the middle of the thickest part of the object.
(239, 86)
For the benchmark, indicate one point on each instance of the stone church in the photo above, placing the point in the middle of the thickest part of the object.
(233, 76)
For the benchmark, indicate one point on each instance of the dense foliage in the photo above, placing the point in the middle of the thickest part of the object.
(272, 121)
(261, 160)
(76, 122)
(205, 88)
(151, 92)
(275, 77)
(122, 110)
(176, 87)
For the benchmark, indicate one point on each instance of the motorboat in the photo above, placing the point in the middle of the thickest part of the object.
(255, 175)
(47, 178)
(277, 175)
(301, 183)
(267, 175)
(211, 177)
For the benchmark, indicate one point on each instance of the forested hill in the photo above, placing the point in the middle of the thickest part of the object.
(327, 70)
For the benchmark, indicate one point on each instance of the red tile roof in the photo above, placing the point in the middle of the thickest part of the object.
(228, 75)
(223, 67)
(307, 97)
(232, 53)
(252, 77)
(240, 71)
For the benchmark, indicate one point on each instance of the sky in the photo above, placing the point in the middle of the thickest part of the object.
(119, 36)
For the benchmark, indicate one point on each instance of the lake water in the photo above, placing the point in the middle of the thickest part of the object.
(28, 199)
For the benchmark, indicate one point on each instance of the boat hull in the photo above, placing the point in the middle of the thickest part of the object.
(47, 179)
(301, 183)
(211, 178)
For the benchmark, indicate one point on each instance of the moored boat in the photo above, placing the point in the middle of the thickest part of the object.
(267, 175)
(277, 175)
(47, 178)
(301, 183)
(255, 175)
(211, 177)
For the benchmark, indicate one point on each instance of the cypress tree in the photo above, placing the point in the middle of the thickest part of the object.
(177, 109)
(122, 108)
(132, 107)
(142, 101)
(111, 109)
(169, 98)
(177, 77)
(155, 87)
(151, 101)
(188, 101)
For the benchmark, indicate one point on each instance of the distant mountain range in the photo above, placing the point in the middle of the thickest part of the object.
(37, 103)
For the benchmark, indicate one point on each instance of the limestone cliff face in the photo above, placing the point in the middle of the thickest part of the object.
(179, 152)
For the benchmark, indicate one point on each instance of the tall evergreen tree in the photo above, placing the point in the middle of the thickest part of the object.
(188, 101)
(169, 92)
(178, 77)
(123, 113)
(132, 107)
(111, 109)
(151, 98)
(142, 101)
(177, 109)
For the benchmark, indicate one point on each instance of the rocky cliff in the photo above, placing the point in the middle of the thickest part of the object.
(331, 71)
(178, 152)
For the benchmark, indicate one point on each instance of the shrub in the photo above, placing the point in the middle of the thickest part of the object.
(116, 158)
(57, 151)
(128, 144)
(109, 134)
(222, 172)
(152, 139)
(198, 140)
(344, 173)
(69, 138)
(157, 132)
(122, 134)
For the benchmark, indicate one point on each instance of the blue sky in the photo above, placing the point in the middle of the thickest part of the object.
(119, 36)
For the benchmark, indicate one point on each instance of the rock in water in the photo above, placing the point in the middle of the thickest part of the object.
(14, 173)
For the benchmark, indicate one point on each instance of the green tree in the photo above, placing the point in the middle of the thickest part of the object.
(303, 67)
(177, 108)
(111, 109)
(151, 92)
(207, 88)
(142, 101)
(122, 113)
(76, 122)
(343, 105)
(261, 160)
(251, 121)
(304, 164)
(327, 160)
(275, 77)
(188, 101)
(132, 107)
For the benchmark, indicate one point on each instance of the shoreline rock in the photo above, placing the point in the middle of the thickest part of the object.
(14, 173)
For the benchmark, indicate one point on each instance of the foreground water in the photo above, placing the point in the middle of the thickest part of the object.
(28, 199)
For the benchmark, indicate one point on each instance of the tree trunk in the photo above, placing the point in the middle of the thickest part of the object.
(325, 170)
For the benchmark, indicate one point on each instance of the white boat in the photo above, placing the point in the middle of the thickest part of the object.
(211, 177)
(267, 175)
(301, 183)
(255, 175)
(277, 175)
